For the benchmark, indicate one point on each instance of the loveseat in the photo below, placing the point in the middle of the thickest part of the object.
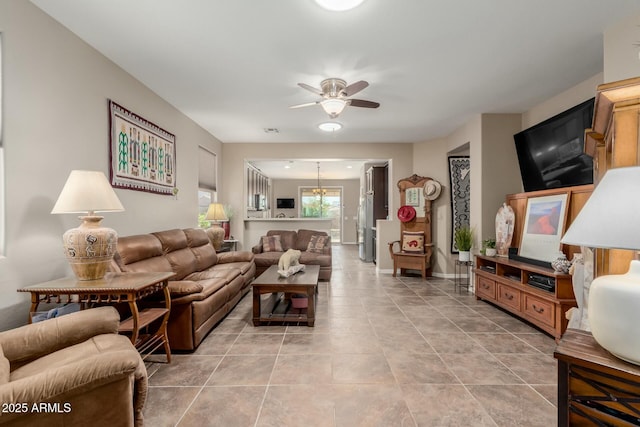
(70, 371)
(206, 286)
(267, 252)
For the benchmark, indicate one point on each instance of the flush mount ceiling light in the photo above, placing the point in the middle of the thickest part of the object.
(333, 106)
(339, 5)
(330, 126)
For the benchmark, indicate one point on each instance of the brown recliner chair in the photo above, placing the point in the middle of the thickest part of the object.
(74, 370)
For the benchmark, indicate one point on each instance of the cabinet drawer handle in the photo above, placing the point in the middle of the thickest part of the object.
(485, 286)
(509, 296)
(538, 310)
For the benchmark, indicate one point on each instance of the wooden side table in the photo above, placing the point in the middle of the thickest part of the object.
(595, 387)
(115, 288)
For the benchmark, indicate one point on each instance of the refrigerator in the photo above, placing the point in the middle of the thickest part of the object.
(365, 228)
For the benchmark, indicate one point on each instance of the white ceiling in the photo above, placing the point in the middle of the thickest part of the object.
(233, 65)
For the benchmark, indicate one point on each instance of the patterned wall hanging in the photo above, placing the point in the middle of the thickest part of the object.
(460, 180)
(143, 156)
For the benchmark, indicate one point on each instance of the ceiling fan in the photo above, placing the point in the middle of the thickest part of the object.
(335, 93)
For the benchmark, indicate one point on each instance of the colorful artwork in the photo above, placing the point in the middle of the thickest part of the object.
(142, 154)
(544, 226)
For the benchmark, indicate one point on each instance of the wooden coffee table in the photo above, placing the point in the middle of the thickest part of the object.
(270, 282)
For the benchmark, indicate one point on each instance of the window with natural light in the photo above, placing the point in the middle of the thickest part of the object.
(323, 203)
(207, 183)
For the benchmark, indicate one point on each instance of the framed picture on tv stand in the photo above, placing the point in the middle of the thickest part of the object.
(543, 227)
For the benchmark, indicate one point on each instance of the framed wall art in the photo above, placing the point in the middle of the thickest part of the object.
(460, 180)
(543, 227)
(143, 155)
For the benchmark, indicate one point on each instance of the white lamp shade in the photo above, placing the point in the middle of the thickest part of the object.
(333, 107)
(216, 213)
(609, 219)
(87, 191)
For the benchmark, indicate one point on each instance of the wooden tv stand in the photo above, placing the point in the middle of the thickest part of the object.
(504, 282)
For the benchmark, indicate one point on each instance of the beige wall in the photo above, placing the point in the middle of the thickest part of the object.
(288, 188)
(55, 119)
(621, 50)
(399, 156)
(562, 101)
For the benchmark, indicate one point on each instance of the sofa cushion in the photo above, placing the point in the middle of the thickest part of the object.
(311, 258)
(201, 247)
(268, 258)
(241, 266)
(179, 288)
(171, 240)
(136, 248)
(183, 262)
(105, 343)
(304, 237)
(317, 243)
(5, 368)
(287, 238)
(271, 243)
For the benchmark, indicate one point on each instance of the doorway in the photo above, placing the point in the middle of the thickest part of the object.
(325, 202)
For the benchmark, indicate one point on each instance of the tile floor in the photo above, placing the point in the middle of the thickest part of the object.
(384, 352)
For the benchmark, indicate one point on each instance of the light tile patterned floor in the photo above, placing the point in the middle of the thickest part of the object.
(384, 352)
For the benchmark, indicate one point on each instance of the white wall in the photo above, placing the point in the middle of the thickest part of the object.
(56, 89)
(621, 50)
(562, 101)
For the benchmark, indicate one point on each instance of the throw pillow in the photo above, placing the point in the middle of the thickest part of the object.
(271, 243)
(413, 242)
(317, 243)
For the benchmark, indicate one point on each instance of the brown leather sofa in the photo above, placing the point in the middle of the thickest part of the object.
(206, 286)
(75, 369)
(295, 240)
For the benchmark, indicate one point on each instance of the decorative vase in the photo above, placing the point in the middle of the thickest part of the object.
(561, 264)
(227, 229)
(490, 251)
(464, 256)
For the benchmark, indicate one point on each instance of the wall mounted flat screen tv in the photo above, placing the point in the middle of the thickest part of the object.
(285, 203)
(551, 154)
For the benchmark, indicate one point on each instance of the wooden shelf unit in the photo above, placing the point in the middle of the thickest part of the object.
(503, 282)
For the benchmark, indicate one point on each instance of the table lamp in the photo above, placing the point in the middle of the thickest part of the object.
(90, 247)
(609, 220)
(215, 214)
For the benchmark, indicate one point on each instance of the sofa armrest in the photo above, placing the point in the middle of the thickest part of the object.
(180, 288)
(257, 249)
(235, 256)
(76, 379)
(32, 341)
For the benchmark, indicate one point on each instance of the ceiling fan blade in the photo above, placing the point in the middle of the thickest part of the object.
(306, 104)
(310, 88)
(363, 103)
(354, 88)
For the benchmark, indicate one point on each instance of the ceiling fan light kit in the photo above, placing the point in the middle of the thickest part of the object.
(335, 93)
(333, 107)
(330, 126)
(339, 5)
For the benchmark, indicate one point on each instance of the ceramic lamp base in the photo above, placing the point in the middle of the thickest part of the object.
(90, 248)
(216, 236)
(614, 313)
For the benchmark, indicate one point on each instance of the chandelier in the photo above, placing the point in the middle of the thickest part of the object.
(319, 190)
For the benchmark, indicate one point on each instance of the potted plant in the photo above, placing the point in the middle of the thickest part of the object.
(464, 240)
(489, 246)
